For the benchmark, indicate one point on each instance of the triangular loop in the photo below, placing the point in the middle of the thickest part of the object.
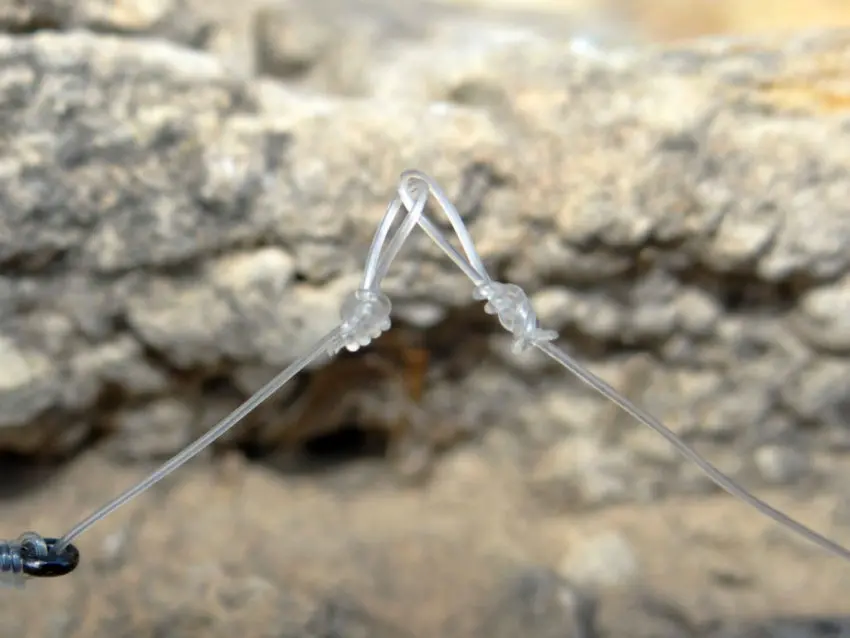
(411, 186)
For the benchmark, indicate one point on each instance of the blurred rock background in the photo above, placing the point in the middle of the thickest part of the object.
(190, 188)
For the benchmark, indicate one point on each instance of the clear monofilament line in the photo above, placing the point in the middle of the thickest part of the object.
(718, 477)
(366, 314)
(202, 442)
(362, 325)
(527, 332)
(378, 260)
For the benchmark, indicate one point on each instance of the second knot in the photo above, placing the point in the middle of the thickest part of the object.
(513, 308)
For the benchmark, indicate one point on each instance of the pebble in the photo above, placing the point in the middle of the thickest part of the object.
(602, 561)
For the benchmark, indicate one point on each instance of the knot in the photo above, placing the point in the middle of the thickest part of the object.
(365, 314)
(34, 543)
(513, 308)
(33, 556)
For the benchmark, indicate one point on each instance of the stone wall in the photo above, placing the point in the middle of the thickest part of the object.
(187, 200)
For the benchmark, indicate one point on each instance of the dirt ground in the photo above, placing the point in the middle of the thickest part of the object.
(427, 561)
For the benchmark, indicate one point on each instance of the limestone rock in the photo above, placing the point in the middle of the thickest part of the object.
(173, 232)
(176, 20)
(158, 430)
(604, 561)
(651, 200)
(333, 45)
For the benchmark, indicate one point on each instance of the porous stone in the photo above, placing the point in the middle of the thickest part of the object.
(173, 232)
(651, 199)
(176, 20)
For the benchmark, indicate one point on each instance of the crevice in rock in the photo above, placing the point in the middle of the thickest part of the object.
(349, 442)
(744, 293)
(44, 262)
(736, 294)
(456, 346)
(448, 353)
(20, 474)
(401, 361)
(180, 27)
(197, 39)
(35, 24)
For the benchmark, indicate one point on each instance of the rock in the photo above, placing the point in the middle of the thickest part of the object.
(780, 465)
(787, 628)
(697, 312)
(173, 233)
(818, 394)
(208, 222)
(21, 16)
(176, 20)
(583, 472)
(334, 617)
(158, 430)
(606, 560)
(30, 383)
(120, 363)
(333, 45)
(644, 614)
(819, 320)
(537, 602)
(60, 326)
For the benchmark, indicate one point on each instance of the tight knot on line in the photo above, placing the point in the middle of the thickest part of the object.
(513, 308)
(365, 315)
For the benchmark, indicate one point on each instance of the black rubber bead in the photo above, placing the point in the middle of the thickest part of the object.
(51, 565)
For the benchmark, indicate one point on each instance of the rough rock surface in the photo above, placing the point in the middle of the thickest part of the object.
(177, 20)
(332, 45)
(155, 245)
(172, 233)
